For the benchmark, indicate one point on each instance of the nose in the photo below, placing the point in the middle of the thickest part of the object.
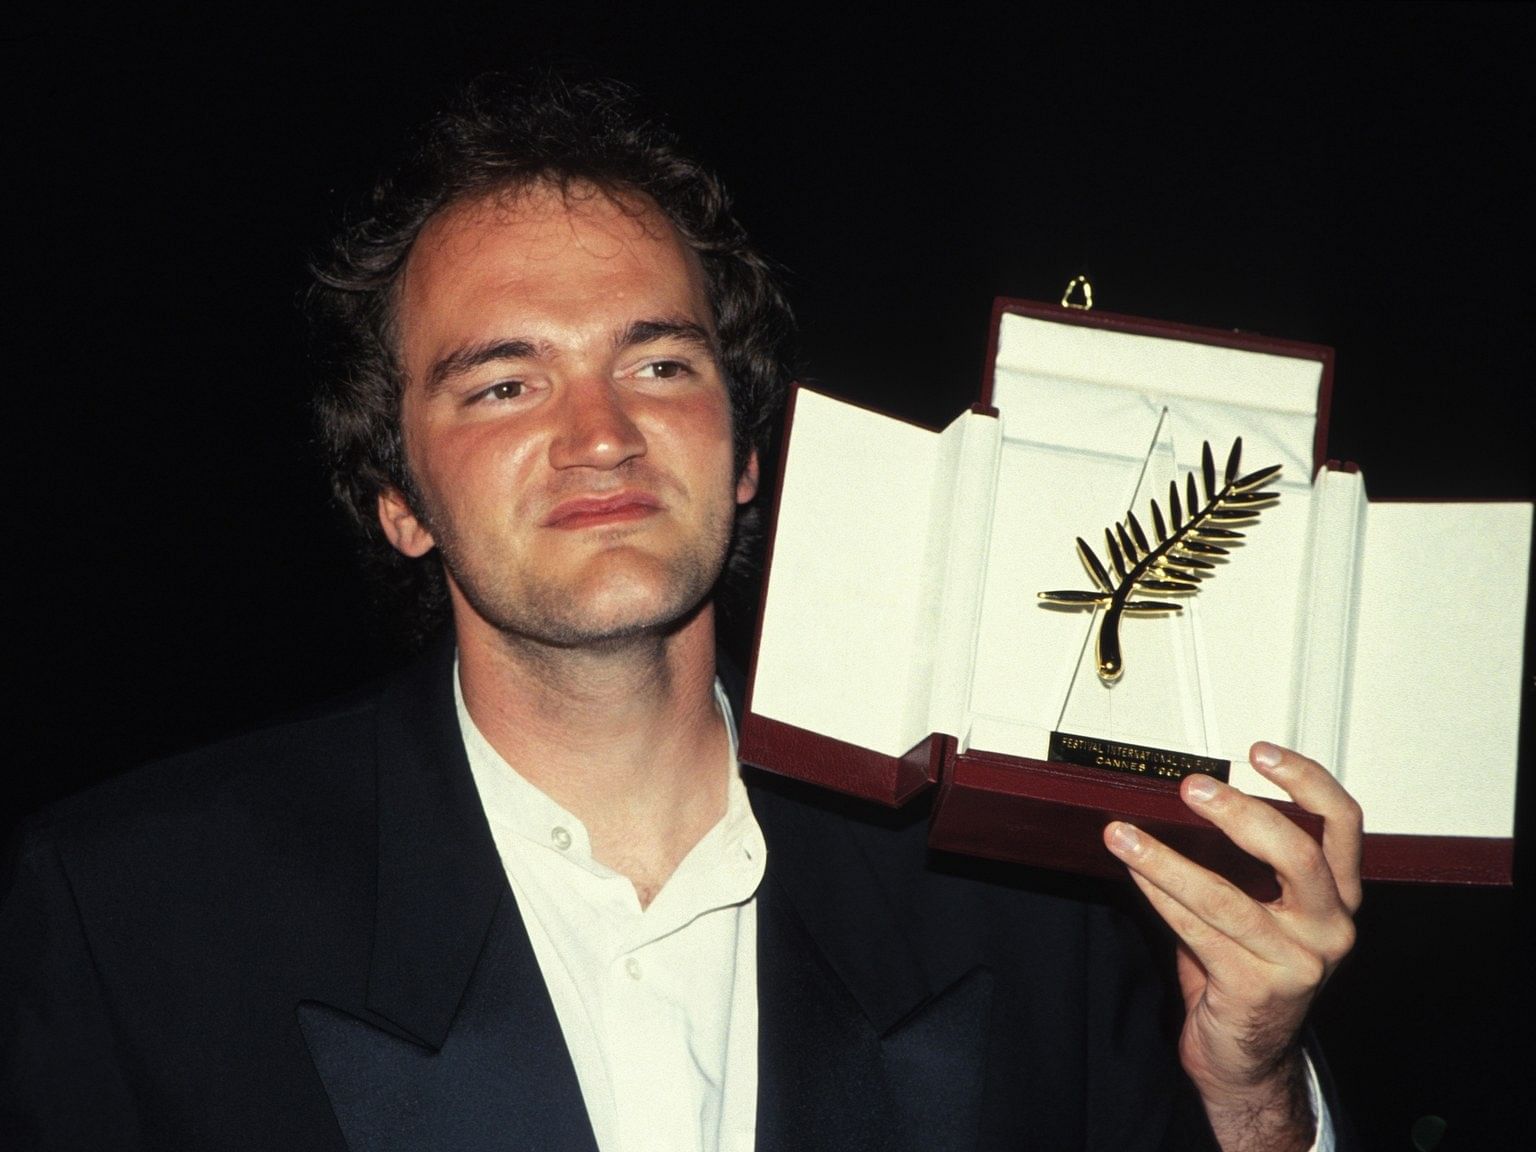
(596, 429)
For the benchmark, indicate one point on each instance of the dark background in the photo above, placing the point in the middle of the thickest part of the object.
(1359, 177)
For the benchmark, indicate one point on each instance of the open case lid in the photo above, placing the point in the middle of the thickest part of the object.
(1072, 374)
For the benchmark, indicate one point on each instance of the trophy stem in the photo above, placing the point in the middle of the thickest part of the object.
(1110, 662)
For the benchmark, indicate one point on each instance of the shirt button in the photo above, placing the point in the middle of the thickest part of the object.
(561, 838)
(632, 968)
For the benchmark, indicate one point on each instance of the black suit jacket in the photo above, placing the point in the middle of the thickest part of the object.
(304, 938)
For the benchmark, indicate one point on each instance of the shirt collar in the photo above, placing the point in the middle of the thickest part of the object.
(724, 867)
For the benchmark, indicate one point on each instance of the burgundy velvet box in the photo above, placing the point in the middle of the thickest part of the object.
(901, 646)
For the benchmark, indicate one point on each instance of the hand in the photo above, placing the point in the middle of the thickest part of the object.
(1249, 971)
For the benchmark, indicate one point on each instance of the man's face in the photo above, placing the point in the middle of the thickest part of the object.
(566, 423)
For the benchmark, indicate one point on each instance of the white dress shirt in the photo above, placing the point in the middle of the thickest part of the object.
(658, 1005)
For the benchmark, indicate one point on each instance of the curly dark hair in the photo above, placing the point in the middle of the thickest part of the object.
(501, 135)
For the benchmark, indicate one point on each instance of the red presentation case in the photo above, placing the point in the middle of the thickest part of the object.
(1028, 808)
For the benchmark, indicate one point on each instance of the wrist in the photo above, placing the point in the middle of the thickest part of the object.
(1272, 1112)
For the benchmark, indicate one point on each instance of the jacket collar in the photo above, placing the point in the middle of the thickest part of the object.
(439, 874)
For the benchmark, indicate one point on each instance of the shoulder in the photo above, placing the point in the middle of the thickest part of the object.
(205, 870)
(198, 829)
(282, 768)
(285, 770)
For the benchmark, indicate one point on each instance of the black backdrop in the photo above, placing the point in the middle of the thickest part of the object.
(1359, 177)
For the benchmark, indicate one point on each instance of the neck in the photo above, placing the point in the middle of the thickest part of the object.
(625, 736)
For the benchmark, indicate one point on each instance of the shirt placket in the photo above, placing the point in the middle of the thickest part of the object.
(655, 1088)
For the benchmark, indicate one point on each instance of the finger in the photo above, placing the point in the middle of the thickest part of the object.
(1265, 833)
(1211, 950)
(1210, 908)
(1316, 789)
(1226, 972)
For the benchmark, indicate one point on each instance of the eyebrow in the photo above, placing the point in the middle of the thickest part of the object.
(633, 335)
(641, 332)
(471, 356)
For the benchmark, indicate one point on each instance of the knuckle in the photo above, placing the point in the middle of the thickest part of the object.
(1312, 970)
(1302, 971)
(1354, 897)
(1232, 906)
(1353, 815)
(1309, 856)
(1341, 941)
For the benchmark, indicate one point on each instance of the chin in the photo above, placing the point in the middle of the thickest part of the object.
(622, 614)
(607, 609)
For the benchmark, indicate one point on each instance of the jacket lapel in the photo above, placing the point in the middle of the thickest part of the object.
(456, 1045)
(440, 877)
(865, 1041)
(500, 1079)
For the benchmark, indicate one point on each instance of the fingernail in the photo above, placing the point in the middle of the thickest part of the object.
(1265, 755)
(1202, 789)
(1125, 840)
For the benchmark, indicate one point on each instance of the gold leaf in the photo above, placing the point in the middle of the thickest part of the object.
(1203, 548)
(1131, 554)
(1251, 497)
(1254, 479)
(1141, 537)
(1169, 586)
(1189, 562)
(1074, 597)
(1095, 567)
(1114, 553)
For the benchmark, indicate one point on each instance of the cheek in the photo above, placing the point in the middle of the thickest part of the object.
(707, 455)
(477, 467)
(705, 437)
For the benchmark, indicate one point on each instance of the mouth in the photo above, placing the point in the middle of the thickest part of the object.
(601, 511)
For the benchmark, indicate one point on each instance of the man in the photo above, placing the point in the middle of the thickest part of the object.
(522, 897)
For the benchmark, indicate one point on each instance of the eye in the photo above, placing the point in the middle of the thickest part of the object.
(665, 370)
(501, 390)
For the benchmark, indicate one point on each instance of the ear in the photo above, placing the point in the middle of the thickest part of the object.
(401, 526)
(746, 483)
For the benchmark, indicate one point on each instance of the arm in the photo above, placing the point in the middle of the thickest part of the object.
(1249, 971)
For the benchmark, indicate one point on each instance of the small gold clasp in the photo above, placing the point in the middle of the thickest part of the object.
(1084, 302)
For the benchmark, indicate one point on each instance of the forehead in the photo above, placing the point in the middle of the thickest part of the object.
(565, 259)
